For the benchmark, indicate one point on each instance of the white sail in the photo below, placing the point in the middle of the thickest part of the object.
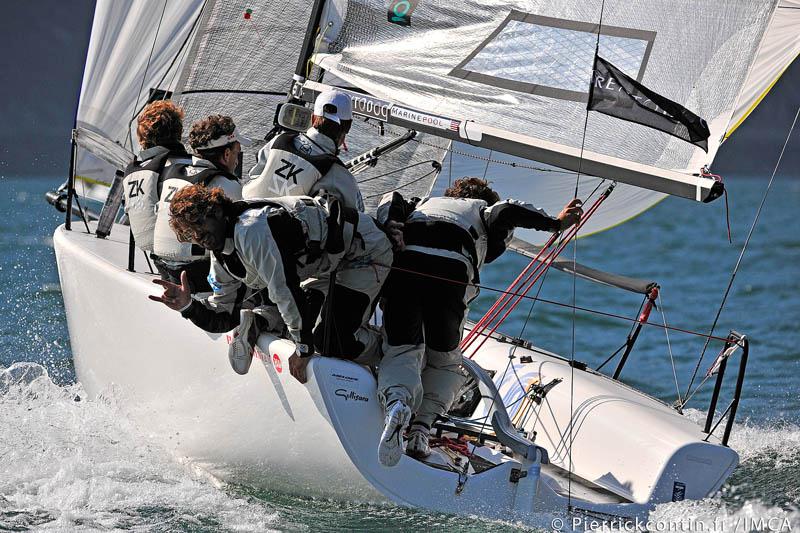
(521, 70)
(243, 66)
(135, 47)
(780, 46)
(239, 57)
(524, 70)
(120, 68)
(548, 189)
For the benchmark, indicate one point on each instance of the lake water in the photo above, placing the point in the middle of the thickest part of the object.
(68, 463)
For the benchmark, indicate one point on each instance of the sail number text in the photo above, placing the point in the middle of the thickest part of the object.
(371, 107)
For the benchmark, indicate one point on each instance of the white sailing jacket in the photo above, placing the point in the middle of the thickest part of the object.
(165, 243)
(295, 164)
(142, 184)
(275, 247)
(461, 228)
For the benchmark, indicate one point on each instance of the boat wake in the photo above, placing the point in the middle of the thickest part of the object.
(761, 495)
(70, 463)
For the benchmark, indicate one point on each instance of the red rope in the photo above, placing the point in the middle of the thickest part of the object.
(513, 301)
(530, 283)
(486, 317)
(460, 446)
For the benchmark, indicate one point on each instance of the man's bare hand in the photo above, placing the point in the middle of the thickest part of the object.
(571, 214)
(297, 367)
(174, 296)
(395, 231)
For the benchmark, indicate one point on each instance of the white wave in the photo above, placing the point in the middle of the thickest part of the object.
(71, 464)
(712, 516)
(778, 440)
(67, 463)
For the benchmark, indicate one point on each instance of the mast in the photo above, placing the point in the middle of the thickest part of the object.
(307, 50)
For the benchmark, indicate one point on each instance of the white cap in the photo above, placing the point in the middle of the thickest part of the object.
(224, 141)
(341, 106)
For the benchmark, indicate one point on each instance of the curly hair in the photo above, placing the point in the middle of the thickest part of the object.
(159, 123)
(472, 187)
(191, 205)
(208, 129)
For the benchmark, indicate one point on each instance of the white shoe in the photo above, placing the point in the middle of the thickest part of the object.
(240, 350)
(390, 447)
(417, 445)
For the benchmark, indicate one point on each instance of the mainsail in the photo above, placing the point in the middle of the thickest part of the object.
(243, 66)
(779, 46)
(513, 77)
(505, 75)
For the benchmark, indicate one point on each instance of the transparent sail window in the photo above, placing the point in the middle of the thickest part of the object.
(552, 57)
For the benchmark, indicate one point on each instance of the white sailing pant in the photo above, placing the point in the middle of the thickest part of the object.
(423, 323)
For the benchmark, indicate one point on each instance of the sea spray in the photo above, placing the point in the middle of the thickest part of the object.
(68, 463)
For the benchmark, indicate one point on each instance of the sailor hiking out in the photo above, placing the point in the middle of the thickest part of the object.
(297, 164)
(438, 239)
(217, 145)
(277, 245)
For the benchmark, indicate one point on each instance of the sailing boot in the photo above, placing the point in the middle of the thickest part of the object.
(417, 445)
(240, 344)
(390, 447)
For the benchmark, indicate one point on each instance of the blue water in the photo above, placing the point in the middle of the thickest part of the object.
(68, 463)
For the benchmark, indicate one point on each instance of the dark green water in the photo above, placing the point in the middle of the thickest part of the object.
(67, 464)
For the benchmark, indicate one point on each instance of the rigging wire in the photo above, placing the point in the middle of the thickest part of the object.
(544, 278)
(515, 285)
(739, 260)
(450, 168)
(434, 171)
(669, 344)
(182, 51)
(488, 162)
(395, 171)
(552, 302)
(627, 338)
(523, 284)
(575, 276)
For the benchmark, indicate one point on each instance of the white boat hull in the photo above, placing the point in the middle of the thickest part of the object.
(265, 429)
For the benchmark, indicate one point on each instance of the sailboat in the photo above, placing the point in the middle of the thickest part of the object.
(534, 432)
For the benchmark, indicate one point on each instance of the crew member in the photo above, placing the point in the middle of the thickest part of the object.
(447, 237)
(296, 164)
(276, 244)
(217, 145)
(159, 128)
